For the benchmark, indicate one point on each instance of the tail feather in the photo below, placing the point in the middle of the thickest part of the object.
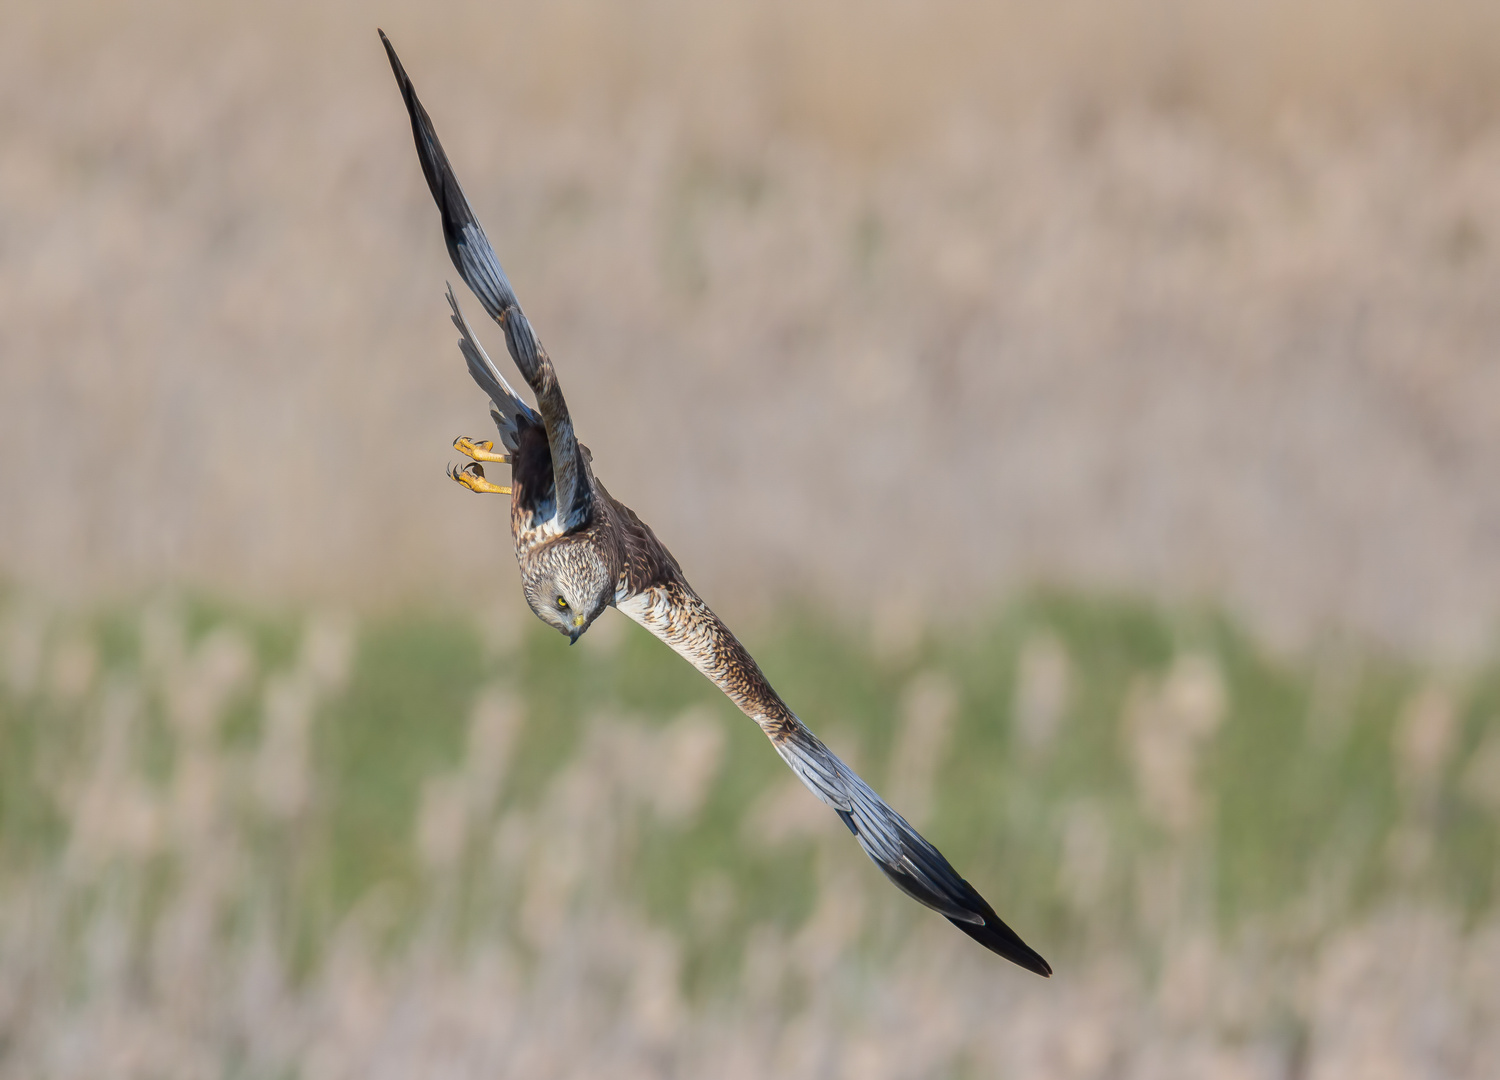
(509, 409)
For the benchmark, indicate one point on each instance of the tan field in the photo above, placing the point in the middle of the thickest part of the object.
(1166, 297)
(923, 333)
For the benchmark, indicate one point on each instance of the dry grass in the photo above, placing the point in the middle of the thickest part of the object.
(1184, 298)
(1193, 298)
(324, 848)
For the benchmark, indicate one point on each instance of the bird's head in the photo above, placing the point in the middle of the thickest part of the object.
(568, 583)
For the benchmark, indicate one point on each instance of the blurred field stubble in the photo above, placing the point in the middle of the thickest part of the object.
(330, 848)
(1184, 298)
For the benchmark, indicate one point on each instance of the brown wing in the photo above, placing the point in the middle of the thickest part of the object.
(644, 560)
(661, 600)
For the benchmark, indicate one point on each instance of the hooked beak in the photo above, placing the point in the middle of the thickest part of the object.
(580, 624)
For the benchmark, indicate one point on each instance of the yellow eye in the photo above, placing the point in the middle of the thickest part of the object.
(562, 603)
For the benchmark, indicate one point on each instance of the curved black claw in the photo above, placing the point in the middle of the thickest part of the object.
(471, 476)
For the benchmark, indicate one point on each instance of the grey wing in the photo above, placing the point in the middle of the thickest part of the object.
(477, 264)
(911, 863)
(657, 597)
(509, 409)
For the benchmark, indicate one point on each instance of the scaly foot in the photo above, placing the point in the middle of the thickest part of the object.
(471, 476)
(483, 451)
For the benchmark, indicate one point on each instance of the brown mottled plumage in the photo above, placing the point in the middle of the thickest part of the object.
(580, 551)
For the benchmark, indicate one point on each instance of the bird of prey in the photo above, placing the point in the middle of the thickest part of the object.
(581, 550)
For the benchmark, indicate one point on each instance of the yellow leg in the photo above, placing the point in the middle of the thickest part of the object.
(483, 451)
(471, 476)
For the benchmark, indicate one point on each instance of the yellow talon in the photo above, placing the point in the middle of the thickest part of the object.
(471, 476)
(483, 451)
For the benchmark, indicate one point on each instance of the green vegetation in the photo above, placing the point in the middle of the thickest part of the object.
(1100, 768)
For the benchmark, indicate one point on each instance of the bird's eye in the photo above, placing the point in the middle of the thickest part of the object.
(562, 603)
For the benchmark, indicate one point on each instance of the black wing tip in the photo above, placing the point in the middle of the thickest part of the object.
(446, 192)
(429, 150)
(390, 52)
(997, 937)
(1000, 939)
(403, 80)
(928, 878)
(981, 923)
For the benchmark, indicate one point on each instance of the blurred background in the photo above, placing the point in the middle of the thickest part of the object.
(1089, 413)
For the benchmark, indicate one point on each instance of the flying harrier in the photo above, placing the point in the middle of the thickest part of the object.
(581, 551)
